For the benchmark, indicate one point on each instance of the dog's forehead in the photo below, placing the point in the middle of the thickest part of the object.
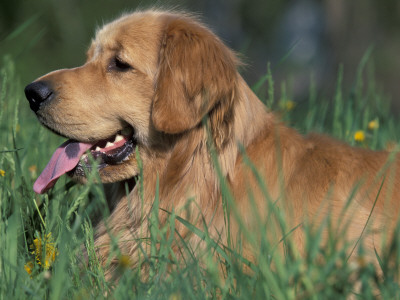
(137, 30)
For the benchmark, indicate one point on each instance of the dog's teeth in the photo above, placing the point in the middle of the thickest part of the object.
(109, 144)
(97, 148)
(118, 138)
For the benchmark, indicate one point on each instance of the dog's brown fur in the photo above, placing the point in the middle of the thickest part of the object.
(185, 88)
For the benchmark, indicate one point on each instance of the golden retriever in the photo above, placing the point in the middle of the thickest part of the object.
(162, 83)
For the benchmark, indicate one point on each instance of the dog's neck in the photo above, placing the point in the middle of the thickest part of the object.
(250, 119)
(177, 168)
(191, 165)
(251, 115)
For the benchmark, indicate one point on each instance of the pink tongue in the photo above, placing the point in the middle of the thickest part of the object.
(63, 160)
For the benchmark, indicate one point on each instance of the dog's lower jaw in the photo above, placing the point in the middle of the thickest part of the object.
(116, 173)
(110, 173)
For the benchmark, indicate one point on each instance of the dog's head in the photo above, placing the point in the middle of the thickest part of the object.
(148, 75)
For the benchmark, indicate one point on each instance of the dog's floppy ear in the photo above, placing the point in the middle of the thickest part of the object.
(196, 71)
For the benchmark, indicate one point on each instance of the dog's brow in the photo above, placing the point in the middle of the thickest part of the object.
(117, 46)
(98, 50)
(95, 50)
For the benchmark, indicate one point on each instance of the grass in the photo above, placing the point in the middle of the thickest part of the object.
(27, 219)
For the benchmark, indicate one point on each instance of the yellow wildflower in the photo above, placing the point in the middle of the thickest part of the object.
(29, 267)
(359, 136)
(124, 261)
(50, 251)
(32, 169)
(2, 173)
(289, 105)
(374, 124)
(17, 128)
(175, 296)
(362, 262)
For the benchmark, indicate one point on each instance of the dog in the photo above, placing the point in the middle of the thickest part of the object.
(160, 95)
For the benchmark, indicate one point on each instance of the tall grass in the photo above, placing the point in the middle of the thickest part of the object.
(25, 217)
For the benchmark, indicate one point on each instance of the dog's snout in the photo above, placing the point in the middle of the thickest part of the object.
(37, 93)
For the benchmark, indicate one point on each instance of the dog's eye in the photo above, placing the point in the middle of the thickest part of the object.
(117, 64)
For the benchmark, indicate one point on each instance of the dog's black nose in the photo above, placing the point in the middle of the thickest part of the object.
(37, 92)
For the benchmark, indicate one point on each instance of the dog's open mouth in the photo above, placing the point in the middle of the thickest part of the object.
(71, 157)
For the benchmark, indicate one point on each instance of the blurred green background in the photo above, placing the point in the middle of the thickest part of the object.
(298, 37)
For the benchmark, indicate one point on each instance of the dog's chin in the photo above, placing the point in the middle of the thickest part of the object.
(108, 173)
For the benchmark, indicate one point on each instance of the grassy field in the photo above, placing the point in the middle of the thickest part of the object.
(41, 235)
